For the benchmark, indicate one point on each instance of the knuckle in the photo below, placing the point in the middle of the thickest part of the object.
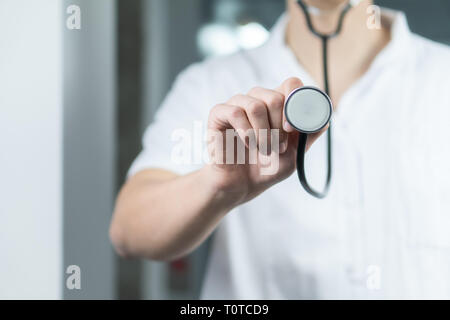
(217, 111)
(276, 101)
(256, 108)
(216, 108)
(235, 112)
(236, 97)
(255, 90)
(214, 113)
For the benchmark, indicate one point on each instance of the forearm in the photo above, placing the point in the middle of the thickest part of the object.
(166, 217)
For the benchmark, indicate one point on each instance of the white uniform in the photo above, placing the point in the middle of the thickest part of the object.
(384, 229)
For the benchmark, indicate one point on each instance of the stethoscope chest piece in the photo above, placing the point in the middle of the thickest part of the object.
(308, 109)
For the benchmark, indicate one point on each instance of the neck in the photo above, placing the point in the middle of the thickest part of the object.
(349, 54)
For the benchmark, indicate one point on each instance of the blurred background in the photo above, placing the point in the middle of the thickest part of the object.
(73, 107)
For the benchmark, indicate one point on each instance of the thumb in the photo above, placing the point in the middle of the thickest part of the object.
(286, 88)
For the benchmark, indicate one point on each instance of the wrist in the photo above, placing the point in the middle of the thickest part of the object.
(224, 190)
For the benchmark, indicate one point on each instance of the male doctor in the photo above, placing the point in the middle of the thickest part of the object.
(382, 232)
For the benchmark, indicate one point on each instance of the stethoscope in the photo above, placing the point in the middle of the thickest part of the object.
(309, 109)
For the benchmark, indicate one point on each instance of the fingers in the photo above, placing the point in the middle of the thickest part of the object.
(225, 116)
(274, 101)
(257, 114)
(286, 88)
(290, 85)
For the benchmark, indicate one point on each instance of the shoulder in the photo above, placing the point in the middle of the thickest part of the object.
(432, 58)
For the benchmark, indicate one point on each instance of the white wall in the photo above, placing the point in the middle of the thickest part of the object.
(30, 149)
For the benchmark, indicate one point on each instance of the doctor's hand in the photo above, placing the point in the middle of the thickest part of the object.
(269, 142)
(160, 215)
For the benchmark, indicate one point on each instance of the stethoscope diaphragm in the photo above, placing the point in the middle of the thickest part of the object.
(308, 109)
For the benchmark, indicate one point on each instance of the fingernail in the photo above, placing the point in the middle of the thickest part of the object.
(286, 126)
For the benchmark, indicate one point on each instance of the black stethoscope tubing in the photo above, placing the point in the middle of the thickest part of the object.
(303, 136)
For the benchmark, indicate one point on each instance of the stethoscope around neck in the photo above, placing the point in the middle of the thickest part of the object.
(309, 109)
